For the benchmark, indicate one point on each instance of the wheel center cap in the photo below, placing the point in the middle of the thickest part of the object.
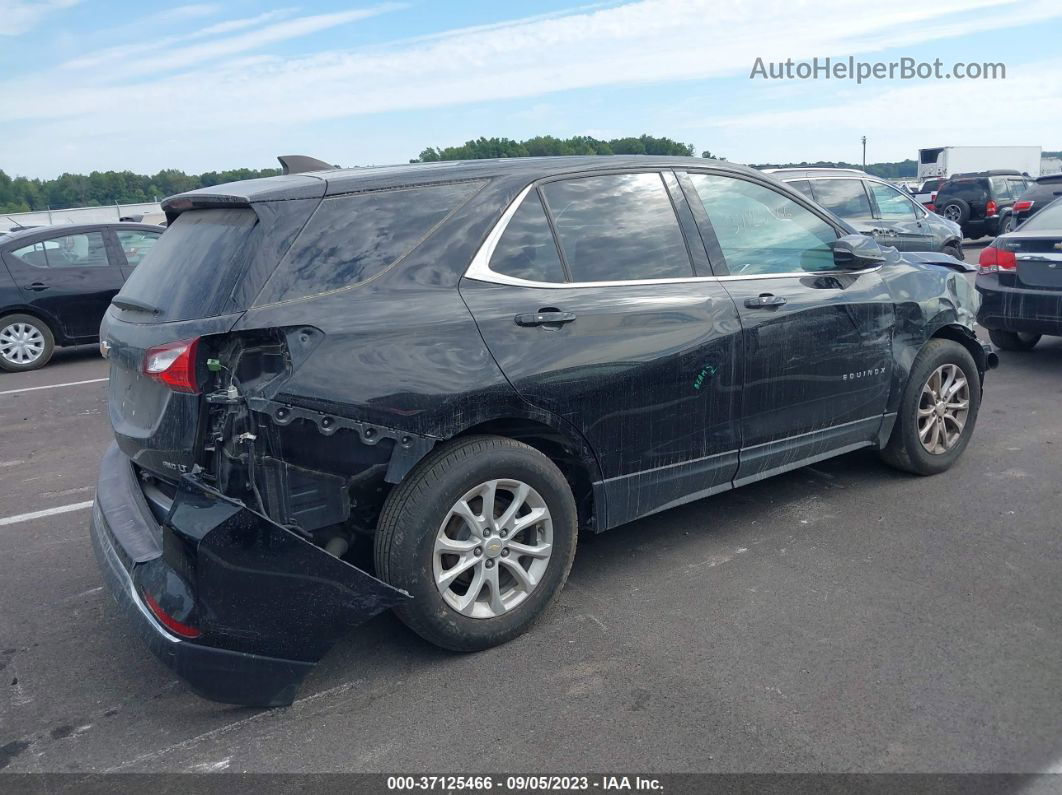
(493, 547)
(941, 409)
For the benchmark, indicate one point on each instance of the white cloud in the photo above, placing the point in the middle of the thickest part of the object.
(124, 51)
(654, 41)
(19, 16)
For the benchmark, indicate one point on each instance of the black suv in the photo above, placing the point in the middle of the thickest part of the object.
(457, 366)
(982, 204)
(56, 283)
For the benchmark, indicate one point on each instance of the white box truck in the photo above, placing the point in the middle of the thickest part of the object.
(946, 161)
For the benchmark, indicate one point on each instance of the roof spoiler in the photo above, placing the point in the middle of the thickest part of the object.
(298, 164)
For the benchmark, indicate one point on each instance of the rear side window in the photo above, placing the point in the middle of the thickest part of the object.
(352, 238)
(190, 271)
(526, 249)
(618, 227)
(135, 244)
(804, 186)
(845, 197)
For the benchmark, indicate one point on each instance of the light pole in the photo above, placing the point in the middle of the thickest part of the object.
(864, 153)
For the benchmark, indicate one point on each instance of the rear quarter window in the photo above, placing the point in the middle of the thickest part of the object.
(352, 238)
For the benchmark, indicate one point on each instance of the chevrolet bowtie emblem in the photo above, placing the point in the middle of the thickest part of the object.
(1058, 246)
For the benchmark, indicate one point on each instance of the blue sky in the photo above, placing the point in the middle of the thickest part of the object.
(99, 84)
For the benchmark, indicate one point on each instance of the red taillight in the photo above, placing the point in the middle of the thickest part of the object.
(993, 259)
(168, 621)
(174, 365)
(931, 207)
(991, 207)
(1023, 205)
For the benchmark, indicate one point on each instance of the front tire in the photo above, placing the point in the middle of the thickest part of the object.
(26, 343)
(1012, 341)
(955, 251)
(482, 535)
(938, 410)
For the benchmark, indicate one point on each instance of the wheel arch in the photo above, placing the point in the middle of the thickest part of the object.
(564, 447)
(965, 337)
(52, 323)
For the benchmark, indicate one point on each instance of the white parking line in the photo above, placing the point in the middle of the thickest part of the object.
(51, 386)
(28, 517)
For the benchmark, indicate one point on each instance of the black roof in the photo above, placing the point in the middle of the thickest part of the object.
(47, 230)
(348, 180)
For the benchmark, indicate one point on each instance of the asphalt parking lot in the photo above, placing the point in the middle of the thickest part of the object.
(843, 617)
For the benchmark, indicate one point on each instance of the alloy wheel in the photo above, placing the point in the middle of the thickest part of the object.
(493, 548)
(21, 343)
(952, 213)
(943, 408)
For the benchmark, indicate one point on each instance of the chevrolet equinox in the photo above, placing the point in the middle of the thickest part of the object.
(460, 366)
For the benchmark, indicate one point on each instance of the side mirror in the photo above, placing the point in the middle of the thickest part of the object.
(856, 253)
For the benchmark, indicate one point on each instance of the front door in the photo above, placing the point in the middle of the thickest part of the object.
(817, 341)
(901, 217)
(68, 278)
(614, 334)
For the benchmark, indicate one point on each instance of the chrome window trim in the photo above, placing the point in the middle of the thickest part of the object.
(480, 271)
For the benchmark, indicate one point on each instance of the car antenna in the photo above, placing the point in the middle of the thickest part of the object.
(298, 164)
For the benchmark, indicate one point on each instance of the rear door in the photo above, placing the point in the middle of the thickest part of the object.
(817, 341)
(593, 310)
(69, 278)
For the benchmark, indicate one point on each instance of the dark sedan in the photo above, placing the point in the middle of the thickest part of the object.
(1040, 194)
(56, 283)
(1020, 281)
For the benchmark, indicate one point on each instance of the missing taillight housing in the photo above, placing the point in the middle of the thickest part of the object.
(174, 364)
(168, 621)
(995, 258)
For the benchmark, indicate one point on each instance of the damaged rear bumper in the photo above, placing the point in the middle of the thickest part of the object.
(266, 605)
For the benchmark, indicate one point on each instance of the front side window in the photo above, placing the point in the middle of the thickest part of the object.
(527, 249)
(81, 250)
(763, 231)
(844, 197)
(892, 205)
(136, 244)
(618, 227)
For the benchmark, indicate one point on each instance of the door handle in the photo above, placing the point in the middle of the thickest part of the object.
(764, 300)
(545, 317)
(37, 287)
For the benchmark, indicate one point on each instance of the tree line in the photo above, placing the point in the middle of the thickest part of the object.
(548, 146)
(100, 188)
(22, 194)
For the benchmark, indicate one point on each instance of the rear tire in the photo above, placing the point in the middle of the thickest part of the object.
(913, 445)
(1012, 341)
(26, 343)
(436, 522)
